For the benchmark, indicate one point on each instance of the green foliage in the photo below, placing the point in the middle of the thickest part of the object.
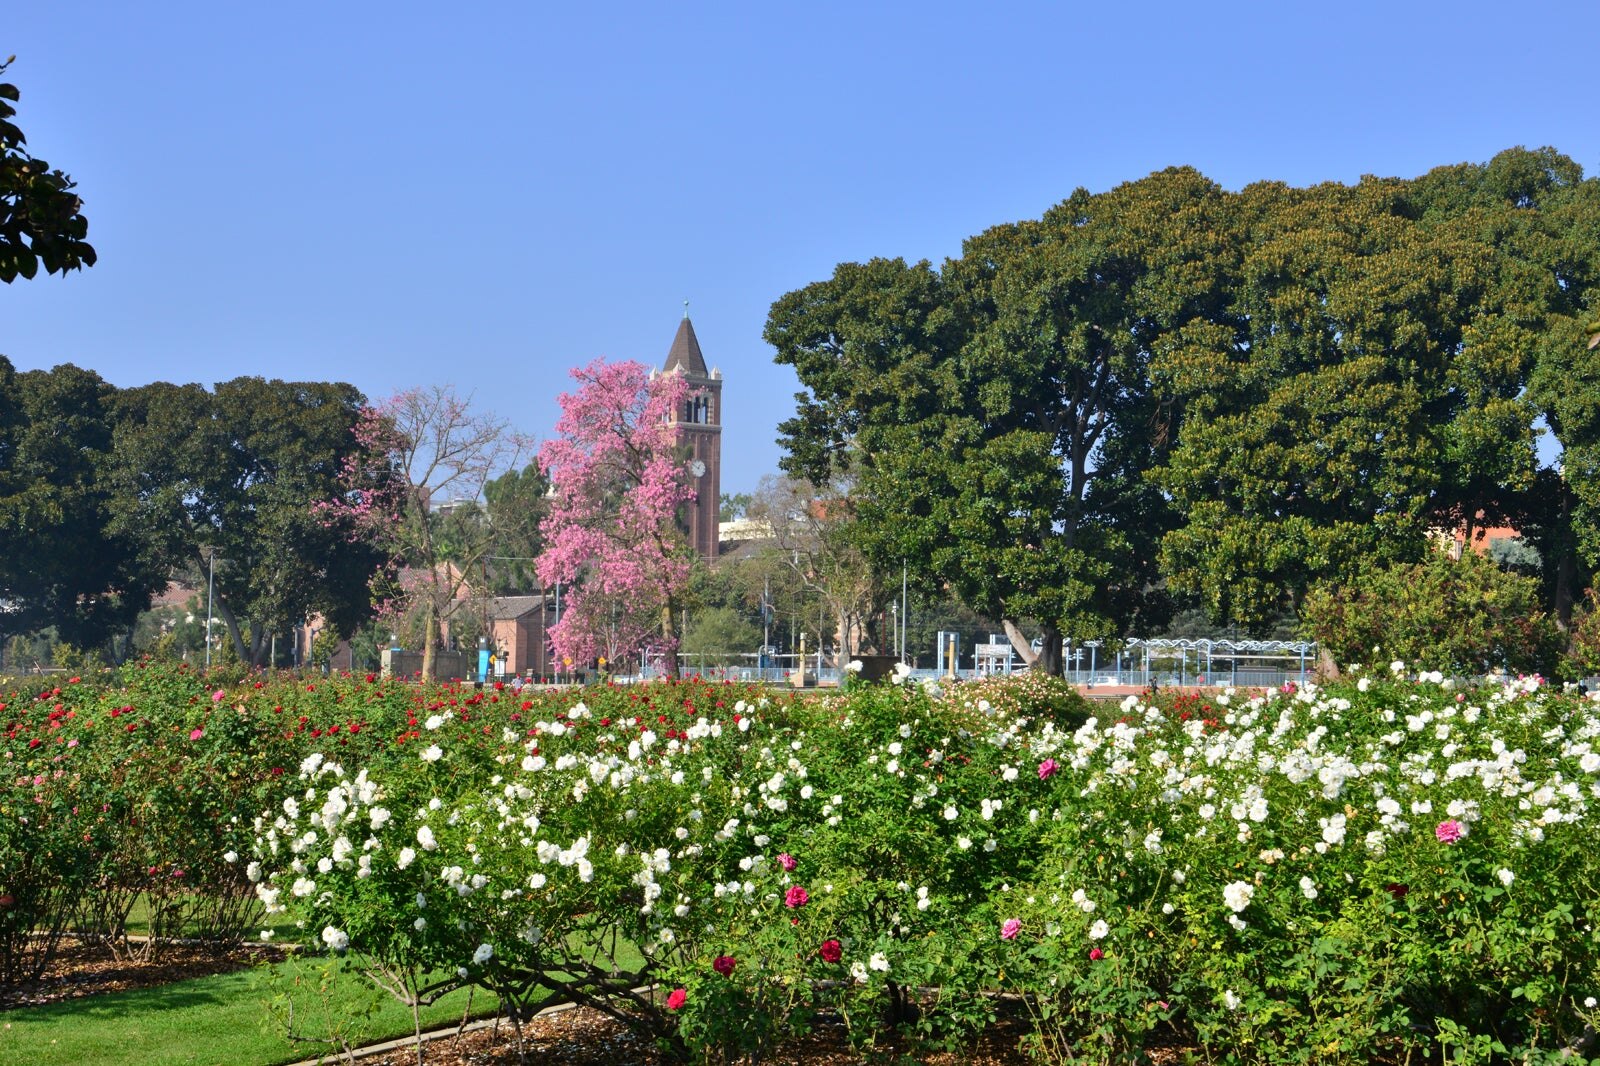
(516, 502)
(1583, 640)
(235, 475)
(1228, 397)
(62, 562)
(41, 218)
(719, 636)
(997, 418)
(1458, 616)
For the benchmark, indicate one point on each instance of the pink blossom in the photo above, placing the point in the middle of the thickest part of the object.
(611, 534)
(1449, 831)
(196, 734)
(1010, 929)
(796, 897)
(218, 696)
(677, 998)
(1095, 954)
(1047, 768)
(787, 861)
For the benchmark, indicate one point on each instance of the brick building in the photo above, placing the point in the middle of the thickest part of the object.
(699, 424)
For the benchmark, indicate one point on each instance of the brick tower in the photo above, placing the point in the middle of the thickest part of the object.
(699, 424)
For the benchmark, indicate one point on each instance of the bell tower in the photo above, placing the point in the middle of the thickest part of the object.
(698, 421)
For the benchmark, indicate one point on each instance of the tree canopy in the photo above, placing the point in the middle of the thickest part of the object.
(613, 534)
(1168, 390)
(233, 475)
(62, 562)
(997, 417)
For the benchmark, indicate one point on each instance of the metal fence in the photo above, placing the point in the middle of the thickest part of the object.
(1134, 663)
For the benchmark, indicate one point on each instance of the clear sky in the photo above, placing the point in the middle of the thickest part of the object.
(486, 194)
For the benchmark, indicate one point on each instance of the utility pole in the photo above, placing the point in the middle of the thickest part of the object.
(905, 612)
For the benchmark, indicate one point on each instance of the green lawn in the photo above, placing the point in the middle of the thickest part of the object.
(283, 928)
(212, 1021)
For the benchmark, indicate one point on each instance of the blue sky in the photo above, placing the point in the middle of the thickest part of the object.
(486, 194)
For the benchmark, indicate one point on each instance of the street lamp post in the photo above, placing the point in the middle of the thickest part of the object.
(211, 584)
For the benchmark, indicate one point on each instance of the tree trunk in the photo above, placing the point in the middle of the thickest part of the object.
(430, 637)
(232, 622)
(1019, 641)
(1050, 659)
(669, 640)
(1566, 566)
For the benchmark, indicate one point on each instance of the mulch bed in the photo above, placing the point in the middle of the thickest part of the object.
(587, 1038)
(80, 970)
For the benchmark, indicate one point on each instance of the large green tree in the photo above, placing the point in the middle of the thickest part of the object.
(41, 218)
(515, 503)
(996, 418)
(1380, 380)
(225, 484)
(61, 562)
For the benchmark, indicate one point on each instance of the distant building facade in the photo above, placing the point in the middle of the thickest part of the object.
(698, 421)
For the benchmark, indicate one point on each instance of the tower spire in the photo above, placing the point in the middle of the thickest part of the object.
(686, 310)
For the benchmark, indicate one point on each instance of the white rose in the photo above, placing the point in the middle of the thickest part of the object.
(1237, 895)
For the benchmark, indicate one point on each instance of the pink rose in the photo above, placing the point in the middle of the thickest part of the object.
(676, 999)
(1047, 768)
(217, 696)
(1449, 831)
(1010, 929)
(1095, 954)
(196, 734)
(787, 861)
(796, 897)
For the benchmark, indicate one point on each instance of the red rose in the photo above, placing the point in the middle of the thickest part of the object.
(676, 999)
(724, 964)
(831, 951)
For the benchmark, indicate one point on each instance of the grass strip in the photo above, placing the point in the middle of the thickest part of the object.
(217, 1021)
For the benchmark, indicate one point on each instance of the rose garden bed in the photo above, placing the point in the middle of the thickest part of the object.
(1391, 869)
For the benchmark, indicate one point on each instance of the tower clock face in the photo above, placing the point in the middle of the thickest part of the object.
(697, 468)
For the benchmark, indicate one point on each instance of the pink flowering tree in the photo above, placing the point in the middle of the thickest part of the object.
(612, 534)
(420, 448)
